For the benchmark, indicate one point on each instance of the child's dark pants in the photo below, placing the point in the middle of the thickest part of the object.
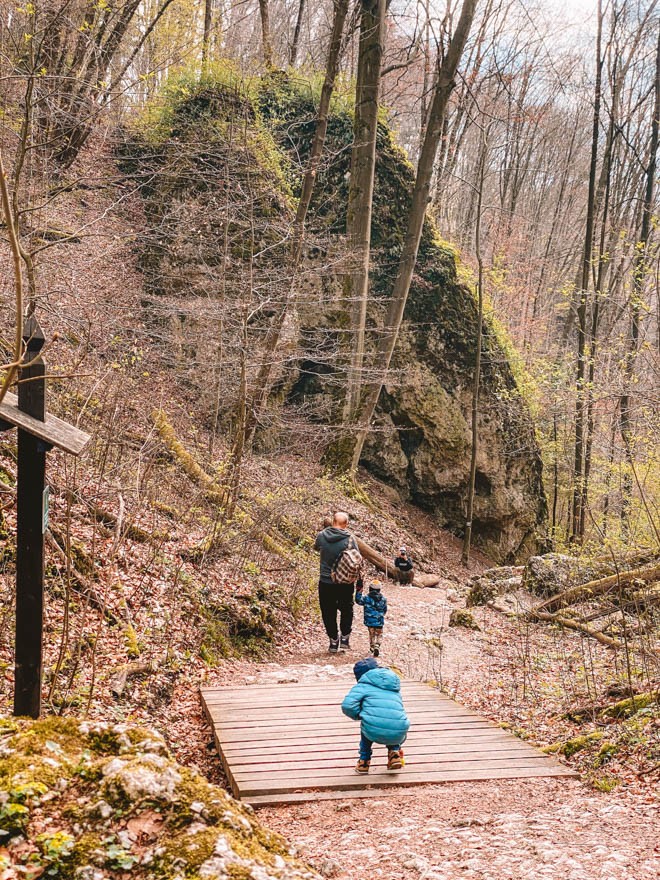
(335, 598)
(366, 744)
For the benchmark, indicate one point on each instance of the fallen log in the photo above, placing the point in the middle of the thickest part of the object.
(420, 579)
(639, 556)
(578, 625)
(595, 588)
(120, 679)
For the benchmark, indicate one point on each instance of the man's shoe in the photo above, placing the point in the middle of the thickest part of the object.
(344, 643)
(395, 759)
(334, 646)
(375, 650)
(362, 767)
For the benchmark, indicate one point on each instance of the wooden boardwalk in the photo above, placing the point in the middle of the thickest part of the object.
(279, 743)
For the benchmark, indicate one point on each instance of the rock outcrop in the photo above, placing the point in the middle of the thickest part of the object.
(420, 445)
(93, 800)
(421, 440)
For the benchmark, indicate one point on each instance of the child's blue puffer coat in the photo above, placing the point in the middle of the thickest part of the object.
(376, 702)
(375, 607)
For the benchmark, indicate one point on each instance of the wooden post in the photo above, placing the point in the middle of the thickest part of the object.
(31, 513)
(37, 433)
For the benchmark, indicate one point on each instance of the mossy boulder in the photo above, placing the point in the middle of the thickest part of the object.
(90, 800)
(481, 592)
(461, 617)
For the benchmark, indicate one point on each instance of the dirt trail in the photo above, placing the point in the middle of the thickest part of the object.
(500, 830)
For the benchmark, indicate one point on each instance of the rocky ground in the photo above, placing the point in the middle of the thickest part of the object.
(500, 830)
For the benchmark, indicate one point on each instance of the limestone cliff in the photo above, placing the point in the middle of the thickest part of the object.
(422, 436)
(421, 441)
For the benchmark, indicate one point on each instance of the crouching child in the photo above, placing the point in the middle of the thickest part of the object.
(376, 702)
(375, 609)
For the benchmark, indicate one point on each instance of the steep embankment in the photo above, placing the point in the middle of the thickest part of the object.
(219, 166)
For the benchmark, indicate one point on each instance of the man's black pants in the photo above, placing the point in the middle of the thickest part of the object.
(335, 598)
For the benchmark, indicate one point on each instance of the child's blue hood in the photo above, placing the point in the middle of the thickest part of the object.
(381, 678)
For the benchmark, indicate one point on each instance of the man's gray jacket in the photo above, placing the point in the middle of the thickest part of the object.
(330, 543)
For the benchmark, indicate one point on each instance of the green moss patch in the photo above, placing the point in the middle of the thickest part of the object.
(81, 798)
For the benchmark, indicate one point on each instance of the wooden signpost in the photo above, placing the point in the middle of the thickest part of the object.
(38, 432)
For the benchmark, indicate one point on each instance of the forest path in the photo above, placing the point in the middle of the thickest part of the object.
(494, 830)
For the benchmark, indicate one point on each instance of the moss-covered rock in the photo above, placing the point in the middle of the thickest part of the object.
(570, 747)
(461, 617)
(421, 445)
(222, 164)
(117, 805)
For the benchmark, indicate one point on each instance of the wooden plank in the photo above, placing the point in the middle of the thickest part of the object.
(328, 700)
(307, 796)
(338, 727)
(321, 734)
(327, 713)
(428, 758)
(301, 714)
(318, 775)
(53, 430)
(382, 780)
(319, 688)
(237, 750)
(290, 737)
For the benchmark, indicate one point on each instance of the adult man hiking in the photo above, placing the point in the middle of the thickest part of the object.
(340, 569)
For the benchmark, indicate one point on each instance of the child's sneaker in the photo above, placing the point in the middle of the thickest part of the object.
(334, 646)
(395, 759)
(375, 651)
(362, 766)
(344, 643)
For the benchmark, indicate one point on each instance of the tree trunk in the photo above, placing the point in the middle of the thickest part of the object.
(206, 39)
(578, 462)
(467, 538)
(361, 189)
(293, 54)
(262, 383)
(640, 272)
(420, 197)
(266, 40)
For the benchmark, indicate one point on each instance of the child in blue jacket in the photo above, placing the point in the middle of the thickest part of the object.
(375, 609)
(376, 702)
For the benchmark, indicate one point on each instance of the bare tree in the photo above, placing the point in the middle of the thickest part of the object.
(295, 42)
(444, 86)
(266, 38)
(465, 556)
(640, 273)
(361, 190)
